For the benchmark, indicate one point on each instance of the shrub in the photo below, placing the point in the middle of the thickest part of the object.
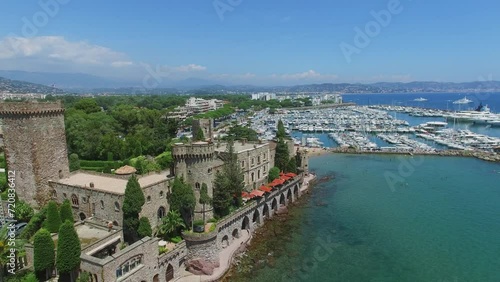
(34, 224)
(66, 212)
(68, 249)
(44, 256)
(53, 221)
(144, 229)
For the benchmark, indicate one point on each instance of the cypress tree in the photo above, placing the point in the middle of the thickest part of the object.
(182, 199)
(292, 165)
(232, 171)
(282, 155)
(68, 250)
(198, 135)
(132, 206)
(281, 133)
(53, 221)
(66, 212)
(144, 227)
(222, 198)
(43, 253)
(204, 199)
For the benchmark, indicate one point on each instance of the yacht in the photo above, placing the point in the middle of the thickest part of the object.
(463, 101)
(420, 99)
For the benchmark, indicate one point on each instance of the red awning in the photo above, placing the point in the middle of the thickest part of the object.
(265, 189)
(285, 178)
(291, 174)
(257, 193)
(281, 174)
(246, 195)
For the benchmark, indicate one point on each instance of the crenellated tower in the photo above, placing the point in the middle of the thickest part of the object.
(35, 147)
(194, 162)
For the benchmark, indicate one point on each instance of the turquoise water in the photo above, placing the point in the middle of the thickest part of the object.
(436, 220)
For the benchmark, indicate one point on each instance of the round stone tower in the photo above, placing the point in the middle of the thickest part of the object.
(35, 147)
(194, 162)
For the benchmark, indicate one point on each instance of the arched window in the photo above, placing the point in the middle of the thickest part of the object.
(253, 176)
(117, 206)
(161, 212)
(258, 174)
(161, 194)
(74, 200)
(258, 160)
(197, 185)
(54, 194)
(102, 204)
(149, 199)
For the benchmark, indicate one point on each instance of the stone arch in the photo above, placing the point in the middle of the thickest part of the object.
(225, 242)
(282, 199)
(289, 197)
(236, 233)
(161, 212)
(265, 211)
(82, 216)
(296, 191)
(274, 205)
(245, 223)
(256, 217)
(169, 275)
(156, 278)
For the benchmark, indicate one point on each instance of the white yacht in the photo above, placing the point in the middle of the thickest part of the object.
(421, 99)
(463, 101)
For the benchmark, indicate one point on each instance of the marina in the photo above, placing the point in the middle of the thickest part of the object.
(378, 128)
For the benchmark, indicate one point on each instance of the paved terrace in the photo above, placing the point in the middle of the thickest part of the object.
(109, 183)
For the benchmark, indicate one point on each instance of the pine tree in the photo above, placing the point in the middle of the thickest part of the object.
(68, 250)
(66, 212)
(53, 221)
(204, 199)
(221, 197)
(43, 253)
(232, 171)
(281, 133)
(144, 229)
(182, 199)
(132, 206)
(292, 165)
(282, 155)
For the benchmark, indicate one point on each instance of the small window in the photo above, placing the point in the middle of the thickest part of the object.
(54, 194)
(253, 161)
(117, 206)
(74, 200)
(197, 186)
(161, 194)
(65, 196)
(242, 163)
(84, 200)
(102, 204)
(253, 176)
(149, 199)
(258, 160)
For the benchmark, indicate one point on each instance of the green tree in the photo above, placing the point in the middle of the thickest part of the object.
(144, 229)
(30, 277)
(132, 206)
(232, 171)
(171, 224)
(34, 224)
(74, 162)
(281, 133)
(43, 253)
(198, 135)
(221, 196)
(66, 212)
(292, 165)
(204, 199)
(23, 211)
(165, 160)
(238, 132)
(182, 199)
(68, 251)
(88, 105)
(274, 173)
(282, 155)
(53, 221)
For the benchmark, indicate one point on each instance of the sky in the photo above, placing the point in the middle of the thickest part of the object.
(260, 42)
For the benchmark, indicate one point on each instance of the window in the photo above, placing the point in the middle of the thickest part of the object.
(197, 186)
(161, 194)
(253, 176)
(242, 163)
(84, 200)
(74, 200)
(209, 170)
(54, 194)
(102, 204)
(161, 212)
(258, 160)
(258, 174)
(253, 161)
(128, 266)
(117, 206)
(65, 196)
(149, 199)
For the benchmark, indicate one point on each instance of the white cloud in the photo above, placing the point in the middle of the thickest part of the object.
(119, 64)
(190, 68)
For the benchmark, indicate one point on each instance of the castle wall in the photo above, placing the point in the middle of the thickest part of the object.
(35, 147)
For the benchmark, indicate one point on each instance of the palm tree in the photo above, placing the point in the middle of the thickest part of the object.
(171, 223)
(5, 248)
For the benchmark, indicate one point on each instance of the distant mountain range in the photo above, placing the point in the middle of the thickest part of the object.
(20, 87)
(39, 82)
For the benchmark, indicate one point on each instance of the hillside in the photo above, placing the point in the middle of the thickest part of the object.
(20, 87)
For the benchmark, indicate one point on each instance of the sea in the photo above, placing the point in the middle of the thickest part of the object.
(391, 218)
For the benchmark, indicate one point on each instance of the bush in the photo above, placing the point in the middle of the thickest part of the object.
(53, 221)
(44, 256)
(34, 224)
(198, 222)
(68, 249)
(66, 212)
(144, 229)
(23, 211)
(176, 239)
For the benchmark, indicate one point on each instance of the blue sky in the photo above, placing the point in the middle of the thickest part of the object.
(254, 41)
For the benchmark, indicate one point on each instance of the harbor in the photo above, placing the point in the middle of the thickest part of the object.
(383, 129)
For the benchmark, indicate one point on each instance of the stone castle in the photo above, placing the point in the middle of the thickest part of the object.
(35, 146)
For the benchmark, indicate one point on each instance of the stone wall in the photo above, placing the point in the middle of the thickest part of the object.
(35, 147)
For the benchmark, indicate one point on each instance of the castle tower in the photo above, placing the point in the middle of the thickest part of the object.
(35, 147)
(194, 162)
(206, 125)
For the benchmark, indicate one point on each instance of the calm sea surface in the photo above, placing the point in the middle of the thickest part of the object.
(436, 220)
